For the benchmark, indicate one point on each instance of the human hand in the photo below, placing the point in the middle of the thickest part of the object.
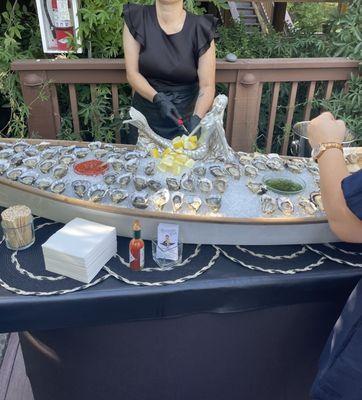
(167, 108)
(192, 123)
(325, 128)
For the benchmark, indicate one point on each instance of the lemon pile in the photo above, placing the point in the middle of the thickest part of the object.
(173, 160)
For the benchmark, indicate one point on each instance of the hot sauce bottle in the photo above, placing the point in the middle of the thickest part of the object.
(136, 249)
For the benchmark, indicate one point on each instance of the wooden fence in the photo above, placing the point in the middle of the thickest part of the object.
(244, 78)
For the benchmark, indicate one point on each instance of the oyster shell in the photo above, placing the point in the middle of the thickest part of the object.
(214, 203)
(154, 185)
(68, 149)
(244, 158)
(81, 152)
(140, 200)
(285, 205)
(161, 198)
(132, 165)
(316, 199)
(100, 153)
(205, 185)
(177, 200)
(94, 145)
(110, 178)
(274, 162)
(80, 187)
(46, 165)
(217, 171)
(67, 159)
(116, 164)
(256, 187)
(173, 184)
(96, 193)
(109, 147)
(17, 159)
(31, 151)
(31, 162)
(250, 170)
(150, 168)
(351, 158)
(60, 171)
(220, 184)
(233, 170)
(15, 173)
(188, 183)
(47, 154)
(199, 170)
(4, 165)
(307, 206)
(43, 183)
(295, 166)
(140, 183)
(124, 180)
(42, 146)
(134, 154)
(268, 204)
(20, 146)
(313, 168)
(6, 153)
(28, 177)
(259, 162)
(58, 186)
(194, 203)
(118, 195)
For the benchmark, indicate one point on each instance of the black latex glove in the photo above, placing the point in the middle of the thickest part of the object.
(167, 108)
(192, 123)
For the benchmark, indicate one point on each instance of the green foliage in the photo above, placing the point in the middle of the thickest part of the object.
(311, 17)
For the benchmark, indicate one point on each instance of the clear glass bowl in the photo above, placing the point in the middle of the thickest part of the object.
(19, 238)
(162, 257)
(279, 176)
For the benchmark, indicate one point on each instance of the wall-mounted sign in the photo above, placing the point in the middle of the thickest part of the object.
(59, 24)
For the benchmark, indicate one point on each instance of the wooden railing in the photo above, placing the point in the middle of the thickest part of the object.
(245, 80)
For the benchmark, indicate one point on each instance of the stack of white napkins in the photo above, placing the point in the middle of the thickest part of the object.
(80, 249)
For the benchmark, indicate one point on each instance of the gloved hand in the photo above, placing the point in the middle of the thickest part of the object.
(192, 123)
(166, 107)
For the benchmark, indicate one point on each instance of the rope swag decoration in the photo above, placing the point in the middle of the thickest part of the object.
(247, 258)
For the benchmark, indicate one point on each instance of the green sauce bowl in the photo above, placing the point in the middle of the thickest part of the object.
(282, 184)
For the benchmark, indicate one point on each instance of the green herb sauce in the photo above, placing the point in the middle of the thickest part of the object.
(284, 185)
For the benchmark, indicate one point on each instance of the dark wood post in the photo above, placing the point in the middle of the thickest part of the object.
(279, 16)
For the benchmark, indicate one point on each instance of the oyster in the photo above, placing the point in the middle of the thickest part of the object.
(6, 153)
(20, 146)
(134, 154)
(316, 199)
(199, 170)
(31, 151)
(295, 166)
(132, 165)
(274, 162)
(124, 180)
(313, 168)
(58, 186)
(205, 185)
(67, 159)
(96, 193)
(46, 165)
(17, 159)
(110, 178)
(307, 206)
(194, 203)
(150, 168)
(140, 183)
(4, 165)
(217, 171)
(28, 177)
(256, 187)
(47, 154)
(188, 183)
(68, 149)
(244, 158)
(220, 184)
(42, 146)
(31, 162)
(100, 153)
(285, 205)
(154, 185)
(351, 158)
(43, 183)
(15, 173)
(94, 145)
(60, 171)
(214, 203)
(268, 204)
(173, 184)
(250, 170)
(140, 200)
(80, 187)
(177, 200)
(81, 152)
(233, 170)
(161, 198)
(108, 147)
(259, 162)
(117, 164)
(117, 195)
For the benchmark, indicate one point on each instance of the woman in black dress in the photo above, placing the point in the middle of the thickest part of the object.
(170, 63)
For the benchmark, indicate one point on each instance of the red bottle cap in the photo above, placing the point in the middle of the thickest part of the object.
(180, 121)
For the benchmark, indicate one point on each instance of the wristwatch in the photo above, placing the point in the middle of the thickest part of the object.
(321, 148)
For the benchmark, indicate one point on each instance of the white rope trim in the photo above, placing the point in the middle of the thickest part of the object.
(270, 257)
(337, 260)
(352, 253)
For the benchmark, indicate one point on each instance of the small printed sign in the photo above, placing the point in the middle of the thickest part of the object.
(167, 241)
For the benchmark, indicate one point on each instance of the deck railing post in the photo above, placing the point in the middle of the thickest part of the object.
(40, 96)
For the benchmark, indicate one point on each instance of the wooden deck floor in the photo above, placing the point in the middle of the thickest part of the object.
(14, 384)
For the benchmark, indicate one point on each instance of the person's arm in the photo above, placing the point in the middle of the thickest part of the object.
(333, 170)
(131, 54)
(206, 74)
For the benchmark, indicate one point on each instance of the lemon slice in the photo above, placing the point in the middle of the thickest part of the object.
(155, 153)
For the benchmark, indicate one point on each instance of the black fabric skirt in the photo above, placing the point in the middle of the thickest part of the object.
(183, 97)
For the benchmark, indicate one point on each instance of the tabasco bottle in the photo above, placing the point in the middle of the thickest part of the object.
(136, 249)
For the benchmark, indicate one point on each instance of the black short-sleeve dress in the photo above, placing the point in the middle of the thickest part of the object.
(169, 62)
